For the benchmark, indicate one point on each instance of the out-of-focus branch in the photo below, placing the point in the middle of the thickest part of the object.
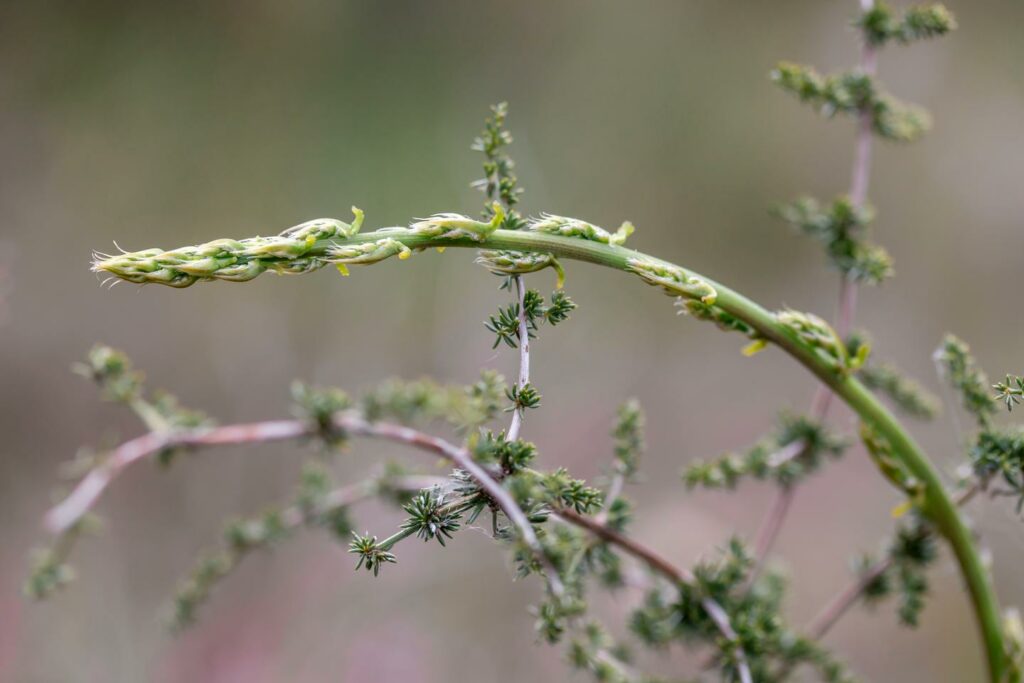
(84, 496)
(859, 180)
(848, 597)
(674, 574)
(91, 487)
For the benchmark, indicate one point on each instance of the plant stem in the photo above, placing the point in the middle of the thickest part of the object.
(62, 518)
(660, 565)
(846, 599)
(859, 179)
(524, 357)
(937, 504)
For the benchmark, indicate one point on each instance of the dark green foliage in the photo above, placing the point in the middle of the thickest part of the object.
(120, 382)
(113, 372)
(371, 554)
(319, 406)
(176, 416)
(881, 24)
(313, 507)
(628, 434)
(1000, 454)
(430, 517)
(1010, 390)
(522, 397)
(49, 570)
(619, 514)
(48, 573)
(421, 401)
(909, 556)
(559, 309)
(798, 447)
(505, 325)
(499, 182)
(970, 381)
(554, 617)
(244, 535)
(485, 396)
(769, 646)
(510, 456)
(853, 93)
(562, 490)
(596, 652)
(841, 228)
(904, 392)
(241, 537)
(407, 402)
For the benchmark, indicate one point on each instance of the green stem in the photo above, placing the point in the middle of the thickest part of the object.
(389, 542)
(938, 506)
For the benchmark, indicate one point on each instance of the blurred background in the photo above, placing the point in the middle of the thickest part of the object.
(163, 124)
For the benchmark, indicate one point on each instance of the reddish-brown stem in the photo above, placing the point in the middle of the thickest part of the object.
(859, 179)
(674, 574)
(849, 596)
(91, 487)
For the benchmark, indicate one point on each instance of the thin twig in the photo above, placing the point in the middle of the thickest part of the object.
(91, 487)
(859, 180)
(524, 357)
(295, 516)
(462, 458)
(674, 574)
(849, 596)
(843, 601)
(614, 491)
(769, 531)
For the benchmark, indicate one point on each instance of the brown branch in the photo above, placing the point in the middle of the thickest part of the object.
(91, 487)
(85, 494)
(462, 458)
(849, 596)
(674, 574)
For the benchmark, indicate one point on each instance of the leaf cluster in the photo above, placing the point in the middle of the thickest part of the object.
(522, 397)
(1010, 391)
(912, 551)
(962, 371)
(881, 24)
(499, 182)
(505, 325)
(808, 444)
(906, 394)
(853, 93)
(628, 436)
(119, 381)
(312, 507)
(840, 227)
(768, 645)
(1000, 453)
(319, 405)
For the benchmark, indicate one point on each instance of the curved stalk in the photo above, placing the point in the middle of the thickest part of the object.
(937, 505)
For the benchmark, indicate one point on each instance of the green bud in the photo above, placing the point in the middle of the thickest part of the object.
(501, 262)
(674, 280)
(573, 227)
